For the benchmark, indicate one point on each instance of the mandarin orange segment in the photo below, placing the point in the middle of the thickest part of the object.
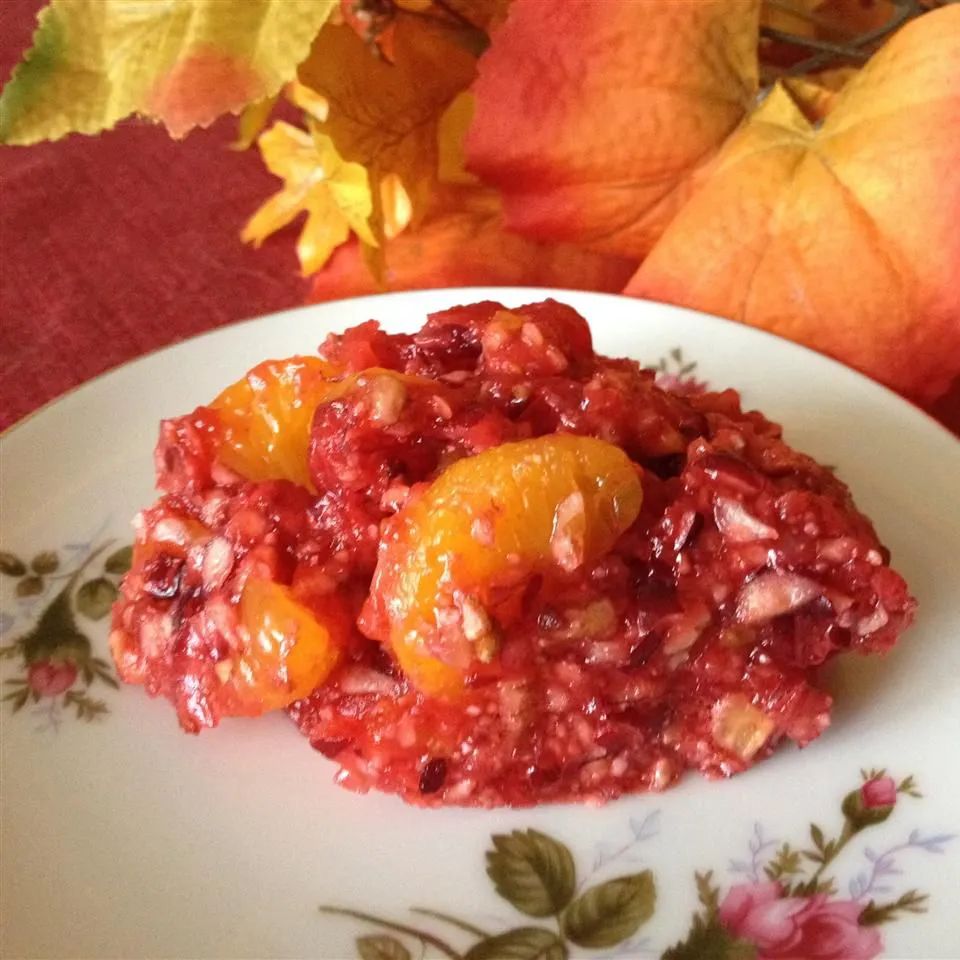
(291, 650)
(265, 418)
(487, 523)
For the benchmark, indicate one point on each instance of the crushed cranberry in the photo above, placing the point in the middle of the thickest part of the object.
(433, 774)
(693, 642)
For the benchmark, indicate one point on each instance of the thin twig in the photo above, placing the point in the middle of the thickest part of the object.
(858, 49)
(422, 935)
(840, 50)
(453, 921)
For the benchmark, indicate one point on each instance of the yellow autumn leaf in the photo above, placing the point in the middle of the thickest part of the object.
(816, 94)
(309, 101)
(185, 62)
(451, 132)
(253, 118)
(334, 193)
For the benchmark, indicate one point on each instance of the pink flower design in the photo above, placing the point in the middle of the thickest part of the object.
(878, 792)
(797, 928)
(49, 679)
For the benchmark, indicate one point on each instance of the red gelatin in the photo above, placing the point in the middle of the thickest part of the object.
(693, 641)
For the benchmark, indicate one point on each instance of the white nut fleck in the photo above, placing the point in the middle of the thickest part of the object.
(568, 538)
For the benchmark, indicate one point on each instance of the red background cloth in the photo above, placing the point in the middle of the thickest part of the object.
(116, 245)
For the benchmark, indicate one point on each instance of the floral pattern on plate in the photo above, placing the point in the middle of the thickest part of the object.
(55, 659)
(788, 904)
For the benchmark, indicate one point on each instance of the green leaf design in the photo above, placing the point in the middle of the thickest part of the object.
(29, 586)
(101, 671)
(708, 893)
(45, 562)
(911, 902)
(909, 786)
(95, 598)
(119, 561)
(787, 863)
(56, 634)
(18, 697)
(11, 565)
(709, 941)
(611, 912)
(86, 707)
(381, 947)
(524, 943)
(816, 835)
(534, 872)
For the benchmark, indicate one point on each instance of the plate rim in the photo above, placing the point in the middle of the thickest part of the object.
(75, 393)
(650, 316)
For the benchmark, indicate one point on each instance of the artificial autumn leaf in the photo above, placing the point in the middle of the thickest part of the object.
(395, 206)
(451, 132)
(846, 19)
(842, 237)
(94, 62)
(466, 246)
(309, 101)
(334, 193)
(816, 94)
(591, 117)
(253, 118)
(385, 115)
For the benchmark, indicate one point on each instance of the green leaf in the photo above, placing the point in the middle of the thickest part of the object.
(94, 62)
(709, 941)
(707, 893)
(86, 708)
(786, 863)
(56, 634)
(816, 834)
(524, 943)
(611, 912)
(45, 562)
(909, 787)
(381, 946)
(11, 565)
(103, 674)
(911, 902)
(95, 598)
(29, 586)
(534, 872)
(18, 697)
(119, 561)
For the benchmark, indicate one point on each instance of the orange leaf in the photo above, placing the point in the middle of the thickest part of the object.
(816, 93)
(844, 237)
(384, 115)
(469, 246)
(201, 87)
(844, 19)
(591, 116)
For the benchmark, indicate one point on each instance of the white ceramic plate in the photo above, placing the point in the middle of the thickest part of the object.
(122, 837)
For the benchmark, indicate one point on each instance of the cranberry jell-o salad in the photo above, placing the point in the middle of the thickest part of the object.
(482, 564)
